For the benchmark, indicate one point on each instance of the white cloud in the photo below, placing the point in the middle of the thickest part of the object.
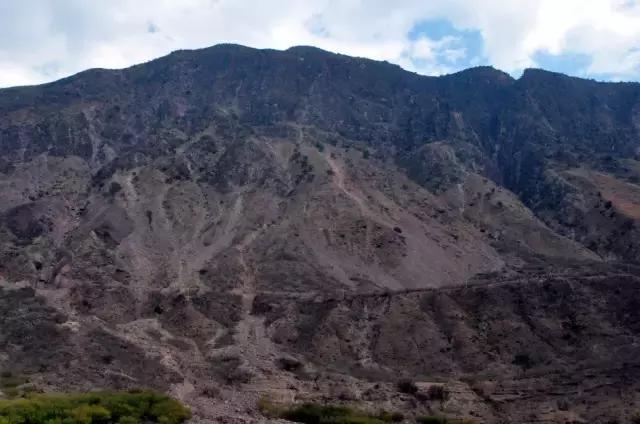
(12, 75)
(425, 48)
(41, 40)
(455, 54)
(513, 31)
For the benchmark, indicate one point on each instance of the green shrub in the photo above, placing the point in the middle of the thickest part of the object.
(12, 385)
(94, 408)
(88, 414)
(8, 380)
(268, 409)
(391, 417)
(311, 413)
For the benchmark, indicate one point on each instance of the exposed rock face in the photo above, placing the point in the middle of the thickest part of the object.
(519, 349)
(230, 222)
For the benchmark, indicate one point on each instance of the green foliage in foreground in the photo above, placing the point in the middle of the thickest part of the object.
(134, 407)
(311, 413)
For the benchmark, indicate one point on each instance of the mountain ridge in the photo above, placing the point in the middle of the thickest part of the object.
(317, 50)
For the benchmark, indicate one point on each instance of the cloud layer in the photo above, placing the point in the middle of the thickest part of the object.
(42, 40)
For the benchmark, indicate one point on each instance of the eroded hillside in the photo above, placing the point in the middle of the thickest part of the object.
(231, 223)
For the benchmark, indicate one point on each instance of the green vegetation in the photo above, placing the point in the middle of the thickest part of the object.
(311, 413)
(14, 385)
(391, 417)
(133, 407)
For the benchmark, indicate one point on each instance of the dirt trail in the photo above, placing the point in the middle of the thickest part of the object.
(356, 196)
(340, 181)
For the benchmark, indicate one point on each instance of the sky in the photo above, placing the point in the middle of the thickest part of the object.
(44, 40)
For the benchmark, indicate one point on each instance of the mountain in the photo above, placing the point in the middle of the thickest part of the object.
(230, 223)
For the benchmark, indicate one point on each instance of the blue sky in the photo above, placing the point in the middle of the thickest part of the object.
(468, 49)
(43, 40)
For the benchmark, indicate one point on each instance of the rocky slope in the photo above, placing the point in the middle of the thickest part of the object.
(231, 223)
